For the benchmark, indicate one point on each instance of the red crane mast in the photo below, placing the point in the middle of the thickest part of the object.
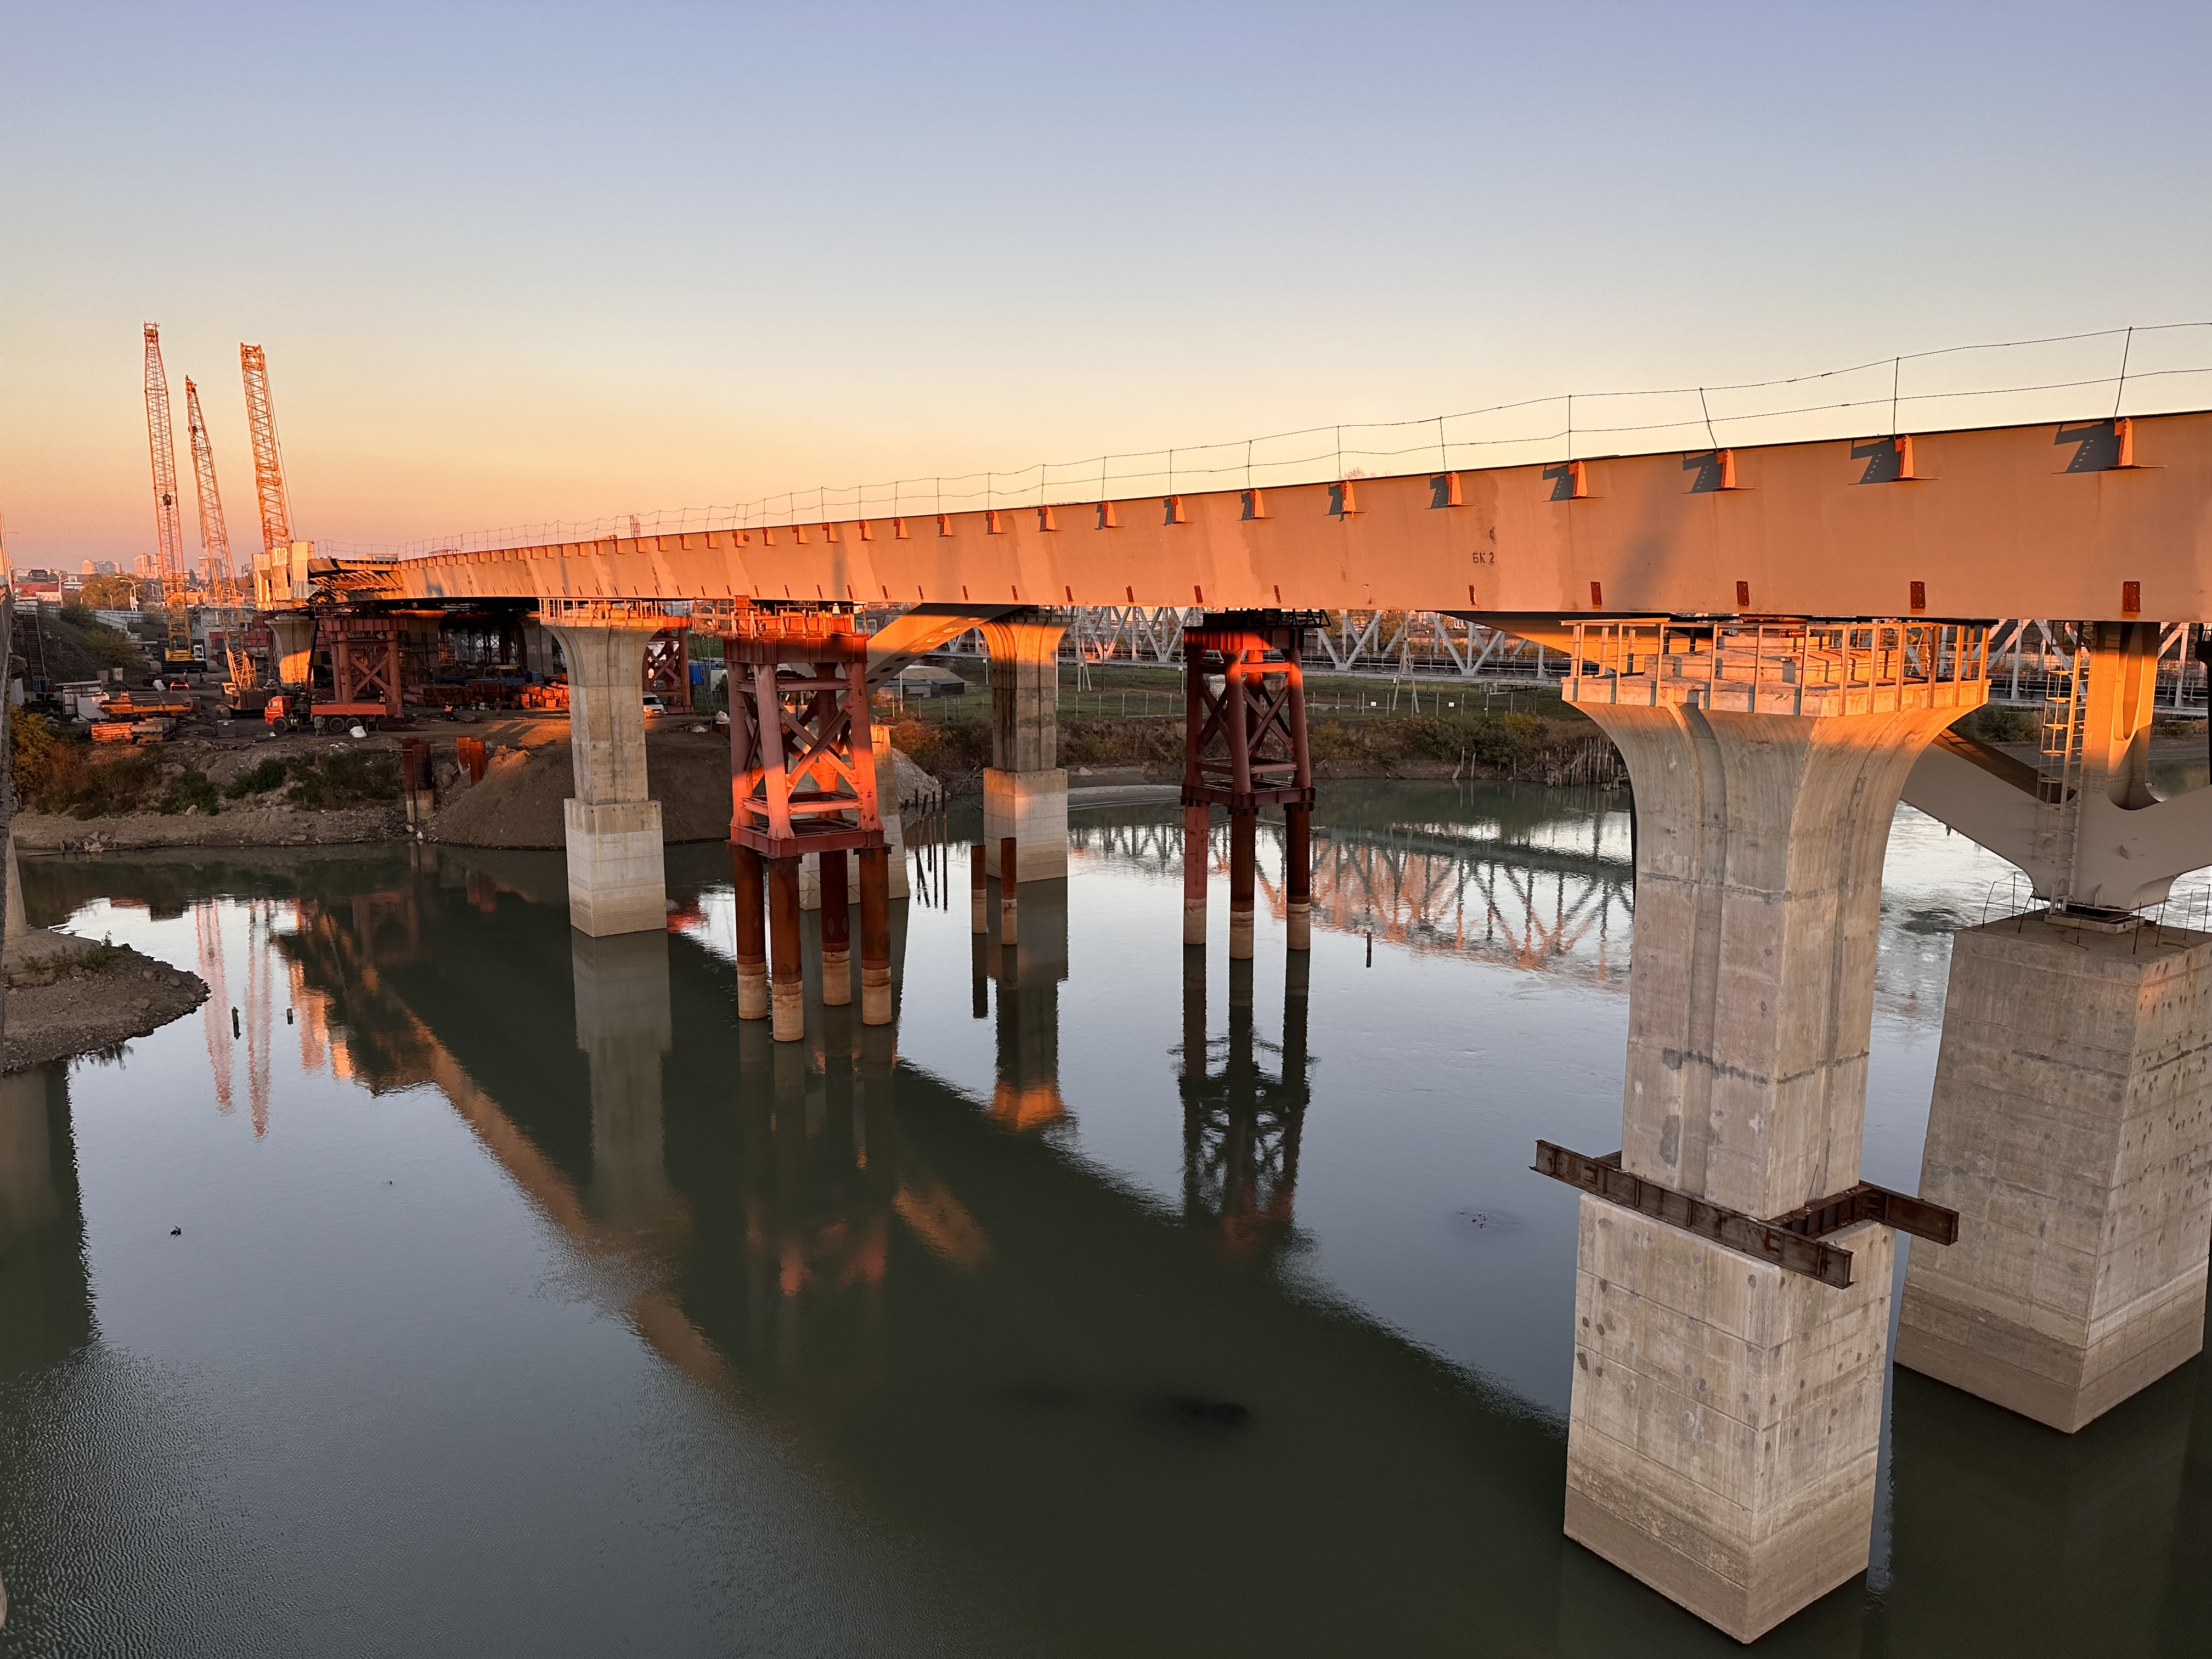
(268, 462)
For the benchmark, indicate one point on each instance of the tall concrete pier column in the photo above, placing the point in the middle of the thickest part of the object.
(2072, 1130)
(292, 633)
(1025, 788)
(616, 882)
(1726, 1412)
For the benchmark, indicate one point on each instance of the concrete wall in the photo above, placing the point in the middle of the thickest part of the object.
(2071, 1129)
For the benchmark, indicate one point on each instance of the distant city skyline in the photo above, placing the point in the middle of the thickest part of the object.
(569, 262)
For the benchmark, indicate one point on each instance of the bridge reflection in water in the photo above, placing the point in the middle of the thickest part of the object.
(1531, 894)
(983, 1340)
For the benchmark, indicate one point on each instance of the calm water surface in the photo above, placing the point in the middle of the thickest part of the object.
(1115, 1301)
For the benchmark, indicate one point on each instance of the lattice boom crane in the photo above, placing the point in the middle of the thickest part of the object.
(168, 526)
(268, 462)
(215, 536)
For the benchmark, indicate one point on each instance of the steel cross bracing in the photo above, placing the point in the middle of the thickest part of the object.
(802, 764)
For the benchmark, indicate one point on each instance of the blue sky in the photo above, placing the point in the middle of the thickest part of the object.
(557, 261)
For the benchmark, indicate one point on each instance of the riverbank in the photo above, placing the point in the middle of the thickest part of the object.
(68, 996)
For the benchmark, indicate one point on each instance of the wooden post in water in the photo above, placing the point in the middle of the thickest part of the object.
(786, 997)
(1297, 877)
(752, 931)
(979, 892)
(875, 936)
(836, 932)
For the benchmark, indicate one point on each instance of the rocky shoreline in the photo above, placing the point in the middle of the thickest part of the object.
(68, 996)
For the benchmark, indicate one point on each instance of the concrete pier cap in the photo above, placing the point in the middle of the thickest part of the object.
(616, 877)
(1727, 1413)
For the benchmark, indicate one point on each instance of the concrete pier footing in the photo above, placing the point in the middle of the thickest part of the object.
(1727, 1413)
(2071, 1129)
(1726, 1417)
(617, 879)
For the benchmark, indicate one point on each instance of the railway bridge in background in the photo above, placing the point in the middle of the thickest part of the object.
(1778, 640)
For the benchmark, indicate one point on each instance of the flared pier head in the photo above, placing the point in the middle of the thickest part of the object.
(1026, 787)
(617, 878)
(1726, 1410)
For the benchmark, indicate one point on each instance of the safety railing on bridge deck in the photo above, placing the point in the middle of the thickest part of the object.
(1785, 667)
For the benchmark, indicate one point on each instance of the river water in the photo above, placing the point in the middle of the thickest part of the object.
(1116, 1302)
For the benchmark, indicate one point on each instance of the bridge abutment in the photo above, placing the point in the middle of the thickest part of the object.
(1726, 1412)
(1025, 788)
(617, 879)
(2071, 1129)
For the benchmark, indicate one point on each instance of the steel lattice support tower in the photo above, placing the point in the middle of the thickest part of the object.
(168, 526)
(215, 536)
(268, 462)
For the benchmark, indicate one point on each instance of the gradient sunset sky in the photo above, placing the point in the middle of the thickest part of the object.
(518, 263)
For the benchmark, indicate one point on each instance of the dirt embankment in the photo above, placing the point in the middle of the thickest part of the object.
(243, 790)
(68, 996)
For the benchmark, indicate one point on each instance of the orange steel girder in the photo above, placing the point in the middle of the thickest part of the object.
(2050, 519)
(802, 760)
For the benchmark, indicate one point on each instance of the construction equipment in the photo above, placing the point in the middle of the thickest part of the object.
(168, 528)
(214, 536)
(268, 462)
(215, 544)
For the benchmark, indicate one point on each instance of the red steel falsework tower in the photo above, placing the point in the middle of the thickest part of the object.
(802, 779)
(1245, 748)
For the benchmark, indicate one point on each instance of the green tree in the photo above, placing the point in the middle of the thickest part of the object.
(110, 593)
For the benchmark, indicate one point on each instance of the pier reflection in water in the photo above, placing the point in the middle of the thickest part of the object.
(1120, 1298)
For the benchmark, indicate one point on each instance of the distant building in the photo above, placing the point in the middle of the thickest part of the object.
(100, 568)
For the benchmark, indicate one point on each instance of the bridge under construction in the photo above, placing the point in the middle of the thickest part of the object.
(1778, 640)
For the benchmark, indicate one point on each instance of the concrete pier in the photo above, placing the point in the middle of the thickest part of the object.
(876, 1007)
(292, 638)
(836, 903)
(1726, 1413)
(1025, 788)
(750, 928)
(786, 987)
(617, 882)
(2071, 1129)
